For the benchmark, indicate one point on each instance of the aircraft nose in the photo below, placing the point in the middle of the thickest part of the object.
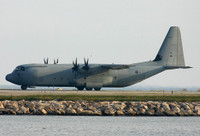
(9, 77)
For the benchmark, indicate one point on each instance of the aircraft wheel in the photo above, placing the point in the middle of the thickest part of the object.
(97, 89)
(80, 88)
(88, 89)
(23, 87)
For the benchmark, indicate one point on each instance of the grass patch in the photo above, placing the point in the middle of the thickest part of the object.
(102, 98)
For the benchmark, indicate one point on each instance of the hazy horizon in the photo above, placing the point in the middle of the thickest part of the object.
(129, 88)
(106, 32)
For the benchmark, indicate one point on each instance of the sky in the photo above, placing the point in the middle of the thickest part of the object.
(105, 31)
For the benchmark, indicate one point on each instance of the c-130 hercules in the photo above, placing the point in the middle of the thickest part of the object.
(96, 76)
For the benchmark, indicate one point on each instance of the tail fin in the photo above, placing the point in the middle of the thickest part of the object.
(171, 51)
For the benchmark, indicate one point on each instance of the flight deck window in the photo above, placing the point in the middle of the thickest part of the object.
(23, 68)
(20, 69)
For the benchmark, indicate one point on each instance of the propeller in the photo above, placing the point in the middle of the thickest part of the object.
(55, 61)
(75, 66)
(46, 61)
(86, 66)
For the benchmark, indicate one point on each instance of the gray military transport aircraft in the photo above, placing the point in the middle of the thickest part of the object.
(96, 76)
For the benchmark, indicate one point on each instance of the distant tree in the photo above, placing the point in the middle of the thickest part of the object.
(184, 90)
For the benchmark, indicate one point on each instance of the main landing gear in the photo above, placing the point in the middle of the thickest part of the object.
(87, 88)
(97, 89)
(80, 88)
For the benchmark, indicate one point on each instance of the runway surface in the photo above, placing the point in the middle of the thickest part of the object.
(104, 92)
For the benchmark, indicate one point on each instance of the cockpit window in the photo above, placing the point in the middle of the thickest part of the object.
(20, 68)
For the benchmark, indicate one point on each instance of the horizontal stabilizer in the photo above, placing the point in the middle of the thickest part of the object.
(176, 67)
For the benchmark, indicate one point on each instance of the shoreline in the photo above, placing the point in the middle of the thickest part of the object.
(102, 108)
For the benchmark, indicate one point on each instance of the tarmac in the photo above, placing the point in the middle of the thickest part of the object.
(9, 92)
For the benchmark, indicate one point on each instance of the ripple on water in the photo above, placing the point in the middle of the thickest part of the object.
(98, 126)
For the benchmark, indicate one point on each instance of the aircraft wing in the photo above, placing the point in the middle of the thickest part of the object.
(115, 66)
(176, 67)
(104, 67)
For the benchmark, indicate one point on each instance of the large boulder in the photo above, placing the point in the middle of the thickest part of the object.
(191, 113)
(23, 110)
(42, 112)
(12, 105)
(91, 107)
(55, 105)
(165, 106)
(98, 112)
(8, 112)
(151, 105)
(104, 103)
(150, 112)
(119, 106)
(79, 110)
(197, 112)
(109, 111)
(141, 112)
(70, 111)
(21, 103)
(169, 113)
(176, 109)
(97, 105)
(84, 104)
(76, 105)
(130, 112)
(119, 112)
(160, 112)
(60, 112)
(185, 106)
(132, 104)
(86, 112)
(1, 105)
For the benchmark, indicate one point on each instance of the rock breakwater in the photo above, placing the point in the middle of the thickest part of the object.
(104, 108)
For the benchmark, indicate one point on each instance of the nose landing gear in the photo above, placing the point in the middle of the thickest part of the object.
(24, 87)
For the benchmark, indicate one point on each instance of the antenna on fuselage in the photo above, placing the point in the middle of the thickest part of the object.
(46, 61)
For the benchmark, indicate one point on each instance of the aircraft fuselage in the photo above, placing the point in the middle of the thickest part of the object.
(63, 75)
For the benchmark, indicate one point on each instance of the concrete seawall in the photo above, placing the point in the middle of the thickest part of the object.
(104, 108)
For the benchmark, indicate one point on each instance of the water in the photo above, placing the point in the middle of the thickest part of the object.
(98, 126)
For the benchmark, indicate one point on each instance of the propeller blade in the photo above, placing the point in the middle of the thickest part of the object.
(46, 61)
(55, 61)
(84, 61)
(75, 66)
(86, 66)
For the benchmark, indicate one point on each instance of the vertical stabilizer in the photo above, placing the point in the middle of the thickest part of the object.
(171, 51)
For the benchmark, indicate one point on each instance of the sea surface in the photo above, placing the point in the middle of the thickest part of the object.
(98, 126)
